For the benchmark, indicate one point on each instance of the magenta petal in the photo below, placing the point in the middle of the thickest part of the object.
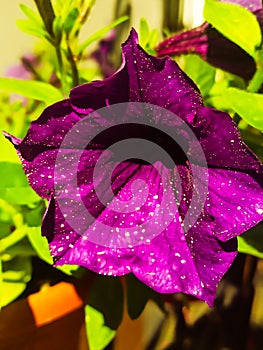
(165, 263)
(222, 143)
(159, 81)
(87, 223)
(235, 202)
(47, 133)
(211, 257)
(98, 94)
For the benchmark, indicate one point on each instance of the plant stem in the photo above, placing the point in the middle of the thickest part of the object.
(256, 82)
(61, 70)
(74, 70)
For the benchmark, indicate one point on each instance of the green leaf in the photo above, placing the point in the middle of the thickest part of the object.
(14, 187)
(21, 248)
(47, 14)
(71, 20)
(100, 33)
(11, 291)
(13, 238)
(202, 73)
(106, 296)
(7, 212)
(144, 32)
(138, 295)
(64, 9)
(33, 216)
(15, 275)
(236, 23)
(99, 335)
(57, 28)
(31, 15)
(40, 245)
(153, 39)
(31, 28)
(248, 105)
(8, 152)
(251, 242)
(33, 89)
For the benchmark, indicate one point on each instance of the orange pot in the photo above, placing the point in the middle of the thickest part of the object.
(51, 319)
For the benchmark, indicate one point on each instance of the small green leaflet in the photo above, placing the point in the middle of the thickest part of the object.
(99, 335)
(144, 32)
(100, 33)
(236, 23)
(40, 245)
(15, 275)
(31, 15)
(246, 248)
(31, 28)
(32, 89)
(251, 242)
(71, 20)
(248, 105)
(202, 73)
(14, 187)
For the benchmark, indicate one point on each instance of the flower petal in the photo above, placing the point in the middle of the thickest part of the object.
(235, 202)
(222, 143)
(98, 94)
(211, 257)
(159, 81)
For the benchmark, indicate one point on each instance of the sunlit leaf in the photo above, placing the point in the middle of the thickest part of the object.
(14, 237)
(31, 28)
(14, 187)
(31, 15)
(8, 153)
(235, 23)
(100, 33)
(248, 105)
(144, 32)
(33, 216)
(251, 242)
(99, 335)
(57, 27)
(64, 8)
(40, 245)
(71, 20)
(32, 89)
(21, 248)
(153, 39)
(7, 212)
(202, 73)
(15, 275)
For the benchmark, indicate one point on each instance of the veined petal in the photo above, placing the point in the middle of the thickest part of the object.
(159, 81)
(89, 220)
(235, 202)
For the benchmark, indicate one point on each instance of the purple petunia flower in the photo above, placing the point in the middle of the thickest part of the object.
(178, 258)
(213, 47)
